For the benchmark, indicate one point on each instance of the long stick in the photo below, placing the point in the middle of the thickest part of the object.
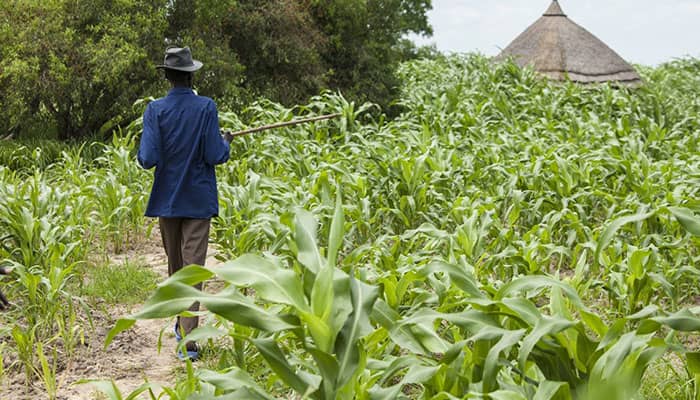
(283, 124)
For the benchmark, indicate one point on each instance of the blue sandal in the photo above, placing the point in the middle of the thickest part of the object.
(192, 347)
(192, 352)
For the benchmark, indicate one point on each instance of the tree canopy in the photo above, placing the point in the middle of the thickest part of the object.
(75, 68)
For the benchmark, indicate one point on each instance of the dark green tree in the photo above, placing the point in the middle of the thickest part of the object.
(280, 46)
(365, 42)
(76, 65)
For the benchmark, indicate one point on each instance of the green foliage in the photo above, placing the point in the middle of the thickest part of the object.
(75, 68)
(280, 46)
(520, 232)
(76, 65)
(291, 49)
(52, 220)
(29, 155)
(328, 314)
(364, 43)
(505, 237)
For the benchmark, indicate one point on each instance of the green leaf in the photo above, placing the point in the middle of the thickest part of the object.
(147, 386)
(319, 330)
(615, 330)
(609, 232)
(322, 294)
(275, 358)
(693, 362)
(506, 395)
(594, 322)
(418, 374)
(611, 364)
(189, 275)
(687, 219)
(459, 277)
(205, 332)
(176, 297)
(507, 341)
(305, 237)
(233, 380)
(109, 388)
(328, 367)
(243, 393)
(168, 300)
(471, 320)
(545, 326)
(643, 313)
(528, 283)
(550, 390)
(400, 333)
(421, 327)
(342, 301)
(335, 241)
(357, 325)
(683, 321)
(121, 325)
(270, 281)
(522, 309)
(636, 263)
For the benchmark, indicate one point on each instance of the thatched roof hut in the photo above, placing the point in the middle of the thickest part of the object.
(559, 48)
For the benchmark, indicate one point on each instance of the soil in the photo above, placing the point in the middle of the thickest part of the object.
(131, 359)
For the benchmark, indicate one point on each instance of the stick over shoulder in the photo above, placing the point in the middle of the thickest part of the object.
(284, 124)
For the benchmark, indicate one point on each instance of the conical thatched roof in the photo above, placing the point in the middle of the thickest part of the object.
(557, 47)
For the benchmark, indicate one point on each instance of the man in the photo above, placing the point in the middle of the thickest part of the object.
(181, 140)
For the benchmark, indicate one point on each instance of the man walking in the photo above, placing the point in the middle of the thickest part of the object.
(181, 140)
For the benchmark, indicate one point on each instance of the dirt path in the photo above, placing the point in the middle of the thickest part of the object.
(132, 357)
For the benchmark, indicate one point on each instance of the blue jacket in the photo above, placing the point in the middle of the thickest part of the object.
(181, 140)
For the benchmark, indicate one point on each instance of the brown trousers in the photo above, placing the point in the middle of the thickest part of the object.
(185, 242)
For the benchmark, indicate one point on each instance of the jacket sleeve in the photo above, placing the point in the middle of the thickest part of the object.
(149, 148)
(216, 149)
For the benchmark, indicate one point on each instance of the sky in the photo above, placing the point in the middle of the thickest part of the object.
(642, 31)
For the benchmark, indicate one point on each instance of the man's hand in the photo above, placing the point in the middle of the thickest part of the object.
(228, 137)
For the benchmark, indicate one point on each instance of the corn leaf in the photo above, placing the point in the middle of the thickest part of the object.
(687, 219)
(275, 358)
(683, 321)
(271, 282)
(357, 325)
(305, 237)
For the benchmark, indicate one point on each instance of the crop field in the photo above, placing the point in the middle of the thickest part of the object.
(503, 238)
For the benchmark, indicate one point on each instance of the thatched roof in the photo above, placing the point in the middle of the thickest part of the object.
(559, 48)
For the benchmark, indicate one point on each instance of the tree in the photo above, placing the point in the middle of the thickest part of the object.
(76, 66)
(365, 42)
(279, 45)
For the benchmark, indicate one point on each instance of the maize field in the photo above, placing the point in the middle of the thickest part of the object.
(503, 238)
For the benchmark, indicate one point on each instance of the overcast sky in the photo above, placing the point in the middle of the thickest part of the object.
(641, 31)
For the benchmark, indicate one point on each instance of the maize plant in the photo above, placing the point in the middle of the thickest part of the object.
(321, 311)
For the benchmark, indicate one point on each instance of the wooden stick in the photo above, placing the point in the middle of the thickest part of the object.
(283, 124)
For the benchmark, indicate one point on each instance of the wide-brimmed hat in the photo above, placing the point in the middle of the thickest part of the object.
(180, 59)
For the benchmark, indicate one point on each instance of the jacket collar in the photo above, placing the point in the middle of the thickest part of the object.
(180, 90)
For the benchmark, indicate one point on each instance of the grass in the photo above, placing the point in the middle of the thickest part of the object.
(667, 379)
(128, 283)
